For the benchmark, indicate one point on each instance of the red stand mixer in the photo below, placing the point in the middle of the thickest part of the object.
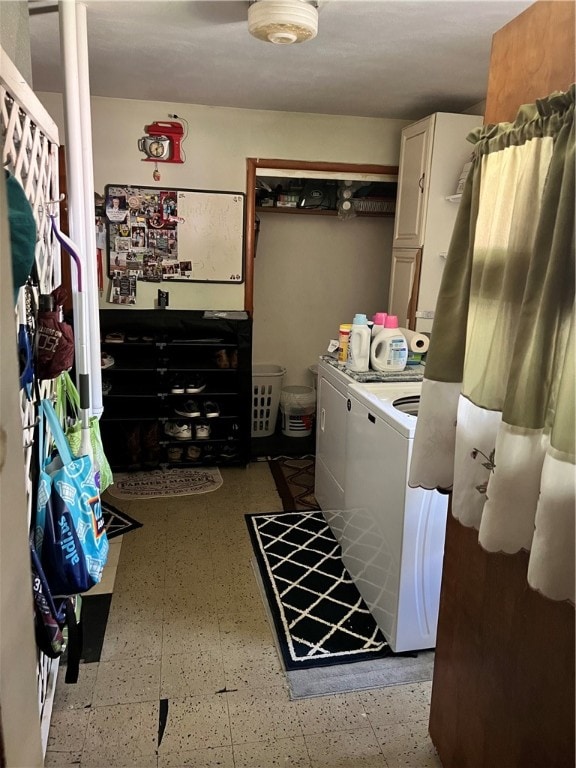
(162, 144)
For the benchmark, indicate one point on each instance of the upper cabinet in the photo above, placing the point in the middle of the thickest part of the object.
(415, 151)
(433, 152)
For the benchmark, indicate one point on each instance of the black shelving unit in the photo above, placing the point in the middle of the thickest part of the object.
(160, 347)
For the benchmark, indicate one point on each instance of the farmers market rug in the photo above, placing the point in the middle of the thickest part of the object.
(164, 483)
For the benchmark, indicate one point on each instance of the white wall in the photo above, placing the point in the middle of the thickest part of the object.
(15, 35)
(313, 273)
(328, 268)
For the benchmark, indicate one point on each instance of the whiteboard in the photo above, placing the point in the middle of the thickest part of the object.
(162, 234)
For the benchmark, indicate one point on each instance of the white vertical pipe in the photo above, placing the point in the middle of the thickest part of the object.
(75, 184)
(91, 272)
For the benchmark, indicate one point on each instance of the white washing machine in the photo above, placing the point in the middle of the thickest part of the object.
(392, 536)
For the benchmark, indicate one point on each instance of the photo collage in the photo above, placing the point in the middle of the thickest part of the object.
(142, 225)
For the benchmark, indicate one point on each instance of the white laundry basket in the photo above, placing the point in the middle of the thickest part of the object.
(266, 388)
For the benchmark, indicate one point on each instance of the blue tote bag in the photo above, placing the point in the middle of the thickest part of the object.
(70, 535)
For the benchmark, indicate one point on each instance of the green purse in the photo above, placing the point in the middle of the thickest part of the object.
(68, 406)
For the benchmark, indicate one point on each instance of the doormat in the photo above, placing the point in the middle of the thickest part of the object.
(294, 480)
(116, 522)
(318, 613)
(160, 483)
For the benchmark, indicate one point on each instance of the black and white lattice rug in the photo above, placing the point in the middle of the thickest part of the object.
(319, 615)
(116, 522)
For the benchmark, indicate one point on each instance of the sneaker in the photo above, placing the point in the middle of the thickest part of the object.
(189, 408)
(221, 359)
(177, 388)
(233, 358)
(179, 430)
(148, 338)
(194, 385)
(106, 386)
(174, 453)
(106, 361)
(114, 338)
(202, 431)
(132, 338)
(193, 453)
(228, 452)
(234, 431)
(211, 409)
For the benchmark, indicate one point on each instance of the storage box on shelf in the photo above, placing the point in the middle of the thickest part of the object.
(177, 388)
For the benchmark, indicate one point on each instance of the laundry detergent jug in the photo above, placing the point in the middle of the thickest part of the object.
(359, 344)
(389, 350)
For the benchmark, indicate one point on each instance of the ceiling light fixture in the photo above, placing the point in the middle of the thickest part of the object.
(283, 22)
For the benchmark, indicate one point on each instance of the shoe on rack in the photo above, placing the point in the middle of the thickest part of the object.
(190, 409)
(106, 386)
(106, 361)
(234, 431)
(194, 385)
(221, 359)
(174, 453)
(148, 338)
(233, 358)
(193, 453)
(228, 452)
(202, 431)
(132, 337)
(114, 338)
(150, 445)
(211, 409)
(133, 448)
(179, 430)
(177, 387)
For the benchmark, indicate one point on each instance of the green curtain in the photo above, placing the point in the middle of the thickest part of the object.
(498, 396)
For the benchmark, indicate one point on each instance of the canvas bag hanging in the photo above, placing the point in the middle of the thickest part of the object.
(70, 534)
(68, 397)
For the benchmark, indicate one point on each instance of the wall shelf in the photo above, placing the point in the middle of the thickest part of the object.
(454, 198)
(316, 212)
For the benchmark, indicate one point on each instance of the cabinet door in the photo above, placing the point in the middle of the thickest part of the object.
(415, 153)
(404, 285)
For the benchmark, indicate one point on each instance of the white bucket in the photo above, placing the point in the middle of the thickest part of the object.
(298, 407)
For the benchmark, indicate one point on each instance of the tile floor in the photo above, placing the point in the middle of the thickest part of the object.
(187, 625)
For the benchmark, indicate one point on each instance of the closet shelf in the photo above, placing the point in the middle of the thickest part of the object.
(318, 212)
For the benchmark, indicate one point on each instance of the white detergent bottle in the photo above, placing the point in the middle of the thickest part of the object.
(389, 350)
(379, 319)
(359, 344)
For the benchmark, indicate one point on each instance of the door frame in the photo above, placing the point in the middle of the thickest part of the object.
(329, 170)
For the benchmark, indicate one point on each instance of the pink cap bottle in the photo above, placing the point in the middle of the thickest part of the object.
(379, 318)
(391, 321)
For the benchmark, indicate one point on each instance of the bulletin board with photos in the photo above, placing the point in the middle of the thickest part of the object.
(160, 234)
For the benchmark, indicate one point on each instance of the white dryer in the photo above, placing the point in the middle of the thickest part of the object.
(392, 536)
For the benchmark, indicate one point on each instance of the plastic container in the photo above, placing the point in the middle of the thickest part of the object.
(359, 344)
(266, 390)
(297, 407)
(343, 339)
(389, 350)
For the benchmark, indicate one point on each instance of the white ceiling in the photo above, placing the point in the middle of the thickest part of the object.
(371, 58)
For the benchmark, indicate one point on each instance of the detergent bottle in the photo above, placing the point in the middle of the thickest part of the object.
(379, 319)
(389, 350)
(359, 344)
